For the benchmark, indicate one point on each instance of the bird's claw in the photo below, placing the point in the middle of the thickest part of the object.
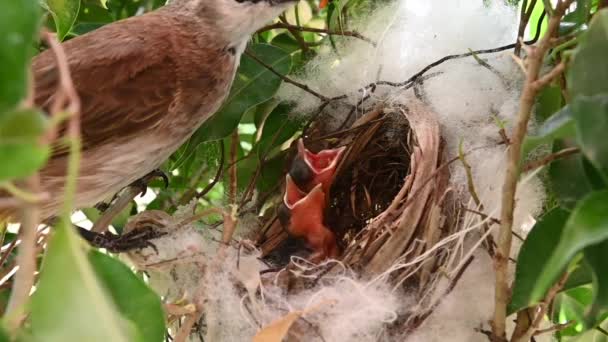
(142, 183)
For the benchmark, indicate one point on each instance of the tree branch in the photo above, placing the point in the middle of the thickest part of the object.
(288, 26)
(535, 62)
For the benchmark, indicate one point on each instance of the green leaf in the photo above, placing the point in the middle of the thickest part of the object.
(558, 125)
(548, 102)
(3, 335)
(64, 14)
(568, 177)
(570, 306)
(588, 72)
(278, 128)
(92, 16)
(591, 116)
(70, 303)
(135, 300)
(22, 124)
(580, 275)
(588, 225)
(21, 153)
(537, 248)
(254, 84)
(596, 256)
(19, 22)
(263, 111)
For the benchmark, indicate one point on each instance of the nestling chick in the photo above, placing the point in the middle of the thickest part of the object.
(302, 216)
(310, 169)
(146, 85)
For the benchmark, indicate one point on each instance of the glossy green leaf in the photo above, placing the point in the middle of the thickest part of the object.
(271, 173)
(588, 72)
(591, 116)
(70, 303)
(568, 178)
(597, 256)
(548, 102)
(19, 21)
(580, 275)
(570, 306)
(64, 14)
(558, 125)
(263, 111)
(254, 84)
(134, 299)
(538, 246)
(587, 225)
(278, 128)
(576, 18)
(92, 16)
(21, 153)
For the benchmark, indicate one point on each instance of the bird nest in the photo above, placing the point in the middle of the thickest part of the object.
(392, 215)
(389, 204)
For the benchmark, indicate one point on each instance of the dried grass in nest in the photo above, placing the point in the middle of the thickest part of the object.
(391, 206)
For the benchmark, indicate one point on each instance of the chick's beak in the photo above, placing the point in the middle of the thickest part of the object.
(310, 169)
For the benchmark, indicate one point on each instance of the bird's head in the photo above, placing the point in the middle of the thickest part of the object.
(236, 20)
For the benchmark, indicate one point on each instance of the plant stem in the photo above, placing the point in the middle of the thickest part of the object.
(26, 259)
(532, 86)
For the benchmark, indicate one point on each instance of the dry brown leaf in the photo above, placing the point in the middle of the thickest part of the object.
(277, 330)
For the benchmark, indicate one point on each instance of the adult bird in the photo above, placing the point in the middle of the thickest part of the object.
(146, 84)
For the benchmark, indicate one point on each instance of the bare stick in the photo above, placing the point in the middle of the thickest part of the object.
(543, 308)
(535, 164)
(234, 148)
(26, 259)
(287, 79)
(123, 200)
(531, 88)
(290, 27)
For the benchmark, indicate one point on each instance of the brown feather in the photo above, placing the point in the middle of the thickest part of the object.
(146, 84)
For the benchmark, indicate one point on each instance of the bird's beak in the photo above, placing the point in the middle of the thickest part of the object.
(320, 162)
(295, 199)
(293, 194)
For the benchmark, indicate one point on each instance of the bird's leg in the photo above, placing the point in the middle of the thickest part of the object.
(138, 238)
(142, 183)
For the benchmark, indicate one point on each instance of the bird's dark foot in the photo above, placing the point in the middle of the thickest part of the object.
(136, 239)
(142, 183)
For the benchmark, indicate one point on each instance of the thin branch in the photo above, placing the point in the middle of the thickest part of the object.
(526, 13)
(288, 26)
(234, 149)
(535, 164)
(117, 206)
(287, 79)
(554, 328)
(553, 291)
(218, 174)
(26, 259)
(535, 62)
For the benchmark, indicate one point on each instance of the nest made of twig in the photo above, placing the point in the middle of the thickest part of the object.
(388, 202)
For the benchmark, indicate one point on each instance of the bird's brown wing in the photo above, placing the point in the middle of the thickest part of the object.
(123, 74)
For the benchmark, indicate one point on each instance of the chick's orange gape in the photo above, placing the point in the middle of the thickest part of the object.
(304, 202)
(323, 3)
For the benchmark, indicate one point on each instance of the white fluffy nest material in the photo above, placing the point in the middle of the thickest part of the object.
(421, 274)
